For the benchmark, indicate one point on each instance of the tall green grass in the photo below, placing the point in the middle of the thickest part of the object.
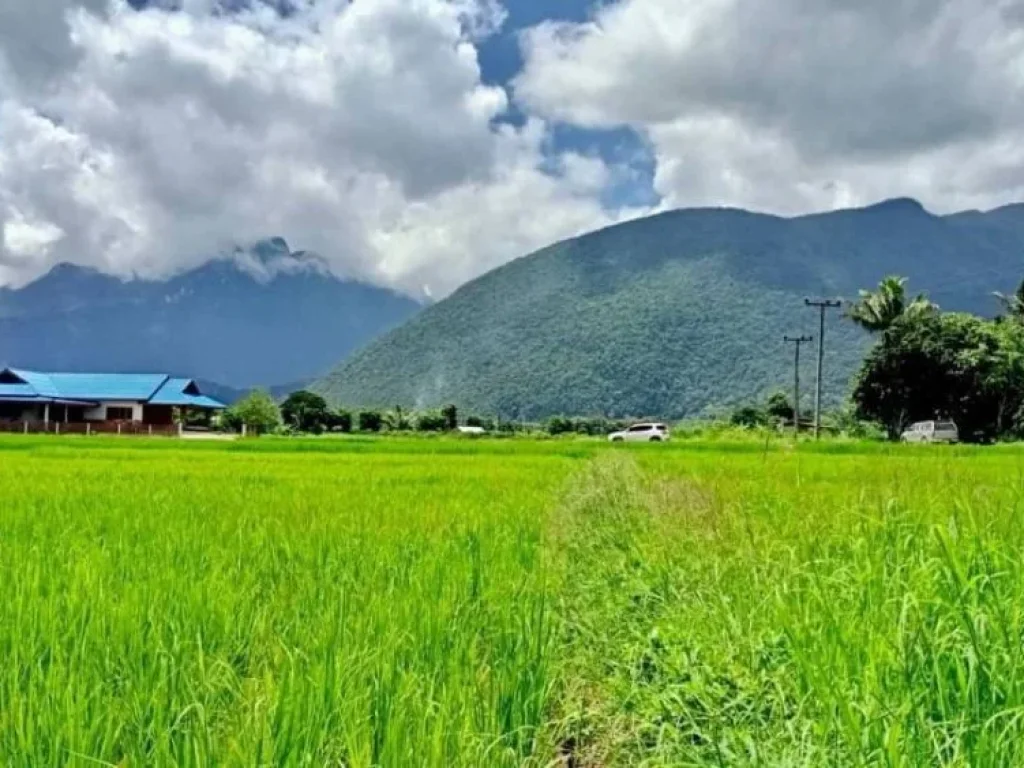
(460, 603)
(187, 606)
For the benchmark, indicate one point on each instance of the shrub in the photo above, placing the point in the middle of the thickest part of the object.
(598, 426)
(748, 416)
(595, 426)
(505, 427)
(845, 422)
(340, 421)
(778, 407)
(397, 420)
(559, 425)
(370, 421)
(432, 421)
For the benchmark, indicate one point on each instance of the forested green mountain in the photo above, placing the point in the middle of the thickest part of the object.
(675, 314)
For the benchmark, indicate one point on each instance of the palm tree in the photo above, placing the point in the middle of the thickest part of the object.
(1014, 305)
(878, 310)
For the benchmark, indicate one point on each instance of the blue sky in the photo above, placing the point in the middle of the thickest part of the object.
(501, 60)
(499, 55)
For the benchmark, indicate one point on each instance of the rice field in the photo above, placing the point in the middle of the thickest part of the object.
(452, 603)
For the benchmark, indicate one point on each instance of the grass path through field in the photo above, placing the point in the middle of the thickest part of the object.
(794, 609)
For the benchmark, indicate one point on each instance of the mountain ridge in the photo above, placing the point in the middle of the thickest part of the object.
(258, 317)
(675, 314)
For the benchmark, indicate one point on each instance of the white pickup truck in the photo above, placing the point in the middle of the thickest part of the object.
(932, 432)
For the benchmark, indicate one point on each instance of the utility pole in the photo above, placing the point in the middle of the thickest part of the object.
(823, 306)
(797, 342)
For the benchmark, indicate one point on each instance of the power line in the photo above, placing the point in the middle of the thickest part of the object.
(797, 342)
(823, 306)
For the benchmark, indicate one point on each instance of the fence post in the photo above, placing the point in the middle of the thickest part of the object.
(56, 427)
(26, 427)
(150, 430)
(88, 429)
(119, 429)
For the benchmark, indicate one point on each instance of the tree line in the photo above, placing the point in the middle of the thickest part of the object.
(306, 412)
(309, 413)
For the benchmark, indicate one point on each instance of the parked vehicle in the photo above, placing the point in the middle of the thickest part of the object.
(932, 432)
(642, 433)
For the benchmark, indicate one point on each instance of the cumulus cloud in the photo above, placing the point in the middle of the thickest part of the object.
(799, 104)
(146, 141)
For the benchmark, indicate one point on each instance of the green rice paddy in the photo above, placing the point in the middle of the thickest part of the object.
(455, 603)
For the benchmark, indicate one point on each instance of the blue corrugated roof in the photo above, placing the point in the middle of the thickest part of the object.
(183, 392)
(202, 401)
(172, 393)
(40, 382)
(154, 388)
(107, 386)
(18, 390)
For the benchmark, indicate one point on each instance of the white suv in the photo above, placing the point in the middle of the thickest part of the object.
(642, 433)
(932, 432)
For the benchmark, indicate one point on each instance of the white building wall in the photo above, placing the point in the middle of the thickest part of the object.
(100, 413)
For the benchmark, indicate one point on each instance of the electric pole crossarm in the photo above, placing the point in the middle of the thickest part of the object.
(823, 306)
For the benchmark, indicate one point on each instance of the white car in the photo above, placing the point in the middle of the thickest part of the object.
(932, 432)
(642, 433)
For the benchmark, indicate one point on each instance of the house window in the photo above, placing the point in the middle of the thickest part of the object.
(120, 414)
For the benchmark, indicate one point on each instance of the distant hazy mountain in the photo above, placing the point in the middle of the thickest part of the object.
(675, 314)
(265, 317)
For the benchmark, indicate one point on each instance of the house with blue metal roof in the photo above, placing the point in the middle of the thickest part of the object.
(149, 399)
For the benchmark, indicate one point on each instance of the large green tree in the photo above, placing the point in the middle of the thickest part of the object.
(258, 412)
(306, 411)
(935, 365)
(1006, 378)
(877, 310)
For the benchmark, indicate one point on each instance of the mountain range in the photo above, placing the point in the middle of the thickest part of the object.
(678, 314)
(260, 317)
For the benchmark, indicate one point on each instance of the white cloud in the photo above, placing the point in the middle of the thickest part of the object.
(525, 206)
(800, 104)
(144, 142)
